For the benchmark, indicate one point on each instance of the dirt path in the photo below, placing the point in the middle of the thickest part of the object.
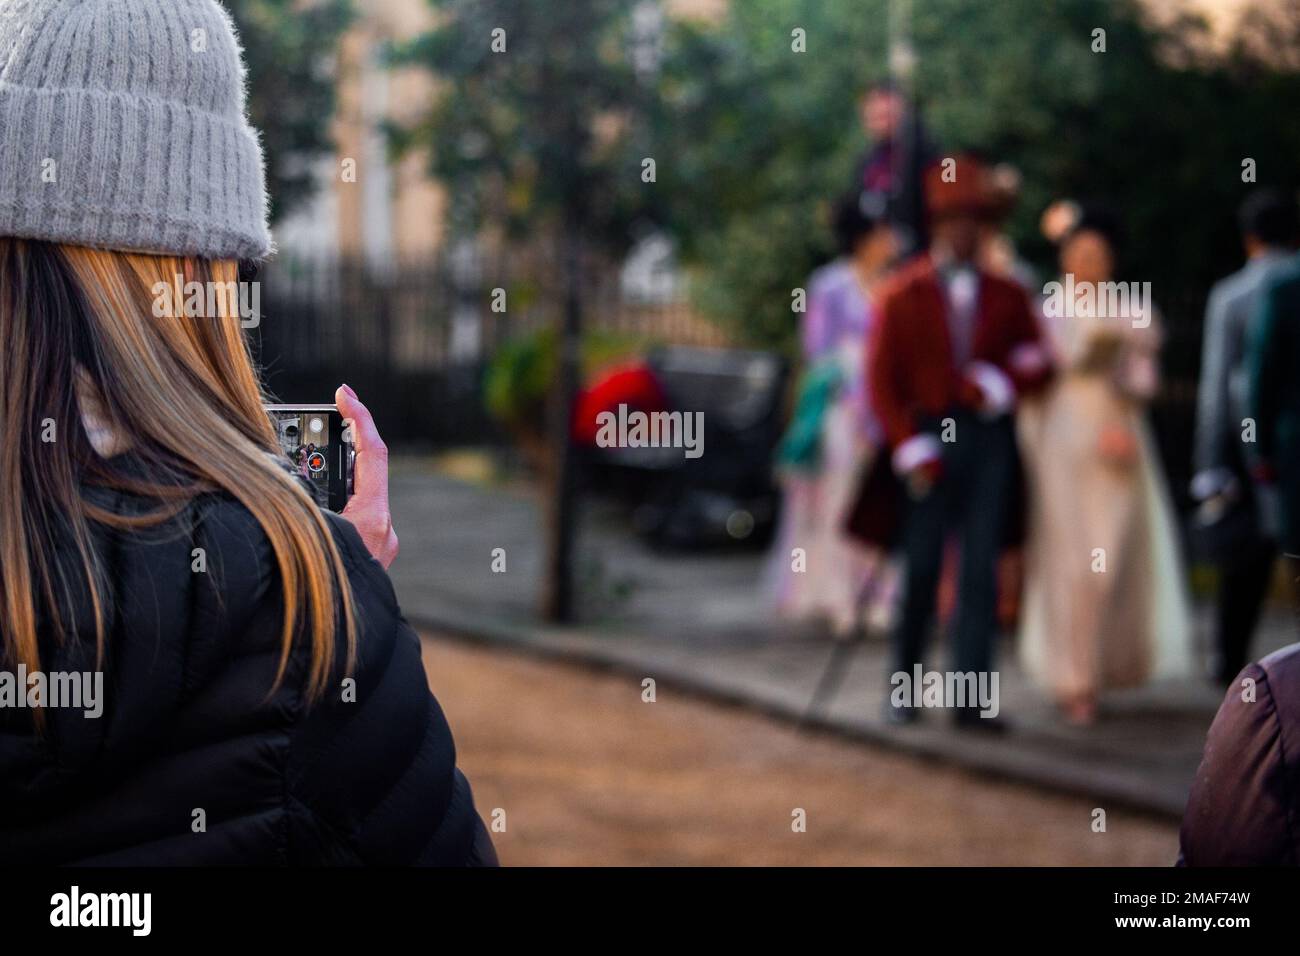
(587, 773)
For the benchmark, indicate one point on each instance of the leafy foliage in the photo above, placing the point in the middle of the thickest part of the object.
(289, 47)
(759, 138)
(541, 128)
(752, 140)
(520, 374)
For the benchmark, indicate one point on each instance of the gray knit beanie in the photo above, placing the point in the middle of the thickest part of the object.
(122, 126)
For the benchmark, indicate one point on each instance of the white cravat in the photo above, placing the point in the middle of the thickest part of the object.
(962, 286)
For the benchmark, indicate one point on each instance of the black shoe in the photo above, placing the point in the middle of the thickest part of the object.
(968, 718)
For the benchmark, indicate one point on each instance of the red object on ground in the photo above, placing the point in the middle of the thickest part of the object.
(634, 385)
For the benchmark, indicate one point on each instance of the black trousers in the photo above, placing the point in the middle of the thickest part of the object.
(970, 501)
(1244, 578)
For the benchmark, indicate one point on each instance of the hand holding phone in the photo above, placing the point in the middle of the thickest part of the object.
(338, 451)
(368, 507)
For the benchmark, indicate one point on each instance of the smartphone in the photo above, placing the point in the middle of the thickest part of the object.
(318, 443)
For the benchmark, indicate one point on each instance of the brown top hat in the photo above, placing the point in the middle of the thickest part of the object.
(964, 186)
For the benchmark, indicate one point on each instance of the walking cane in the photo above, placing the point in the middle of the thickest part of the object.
(901, 65)
(837, 665)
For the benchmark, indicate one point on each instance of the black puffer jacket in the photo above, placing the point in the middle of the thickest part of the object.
(187, 725)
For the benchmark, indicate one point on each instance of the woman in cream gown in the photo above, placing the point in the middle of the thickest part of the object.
(1105, 604)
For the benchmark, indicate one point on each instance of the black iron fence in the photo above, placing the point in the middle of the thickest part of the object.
(414, 340)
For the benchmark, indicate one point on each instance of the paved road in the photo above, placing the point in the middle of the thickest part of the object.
(696, 621)
(588, 773)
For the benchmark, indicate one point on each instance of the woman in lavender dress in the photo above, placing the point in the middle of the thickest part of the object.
(817, 570)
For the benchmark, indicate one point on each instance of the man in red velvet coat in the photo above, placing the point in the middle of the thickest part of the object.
(954, 349)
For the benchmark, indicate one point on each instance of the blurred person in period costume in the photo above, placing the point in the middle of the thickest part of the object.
(954, 349)
(890, 175)
(832, 435)
(1104, 603)
(998, 256)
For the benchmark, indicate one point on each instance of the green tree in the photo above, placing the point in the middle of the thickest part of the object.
(537, 119)
(535, 134)
(290, 48)
(762, 137)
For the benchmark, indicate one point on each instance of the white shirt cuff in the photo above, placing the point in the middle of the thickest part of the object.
(999, 393)
(1211, 482)
(917, 450)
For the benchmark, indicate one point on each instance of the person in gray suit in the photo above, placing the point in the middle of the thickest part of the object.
(1229, 515)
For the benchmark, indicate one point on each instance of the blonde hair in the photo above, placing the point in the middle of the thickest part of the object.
(183, 394)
